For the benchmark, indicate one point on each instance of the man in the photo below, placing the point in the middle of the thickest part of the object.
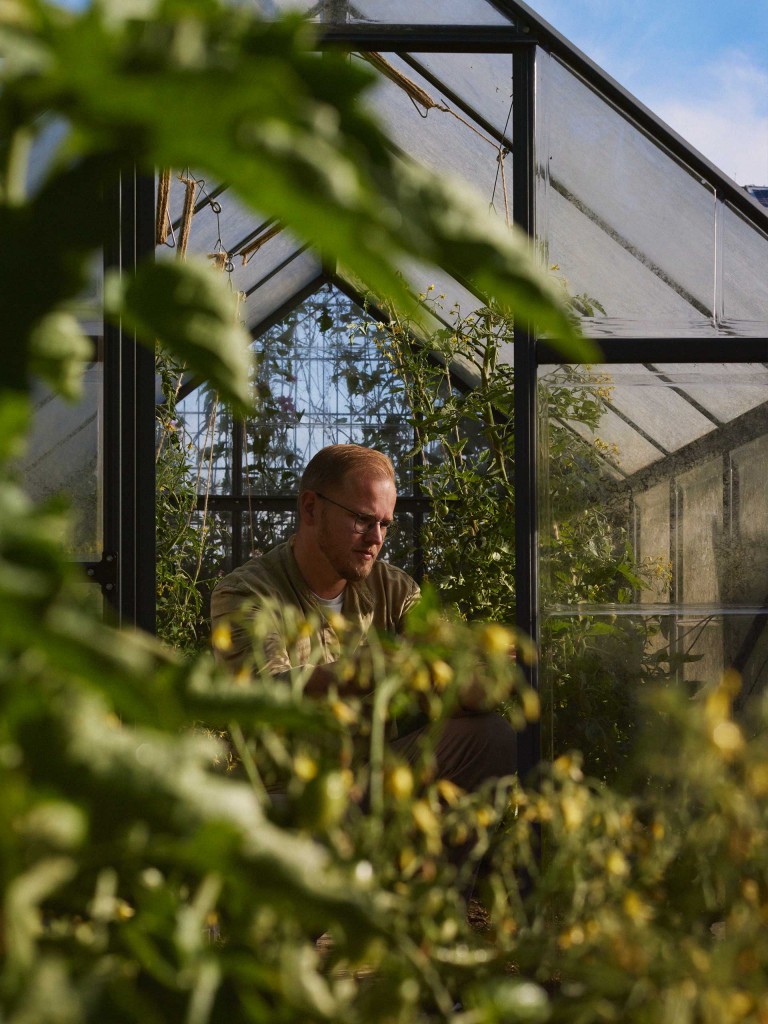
(346, 505)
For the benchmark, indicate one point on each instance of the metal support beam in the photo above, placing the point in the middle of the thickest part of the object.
(526, 462)
(129, 419)
(426, 38)
(669, 350)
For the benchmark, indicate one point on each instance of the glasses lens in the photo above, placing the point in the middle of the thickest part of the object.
(363, 524)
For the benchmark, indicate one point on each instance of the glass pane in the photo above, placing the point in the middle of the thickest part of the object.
(705, 387)
(654, 567)
(277, 288)
(318, 379)
(628, 230)
(481, 83)
(52, 134)
(64, 456)
(745, 282)
(401, 544)
(265, 262)
(209, 560)
(319, 384)
(444, 137)
(595, 671)
(213, 557)
(262, 530)
(207, 428)
(446, 299)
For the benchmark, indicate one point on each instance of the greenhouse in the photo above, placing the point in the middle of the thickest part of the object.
(636, 522)
(501, 752)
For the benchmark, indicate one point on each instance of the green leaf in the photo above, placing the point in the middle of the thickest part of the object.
(69, 224)
(188, 309)
(15, 419)
(58, 352)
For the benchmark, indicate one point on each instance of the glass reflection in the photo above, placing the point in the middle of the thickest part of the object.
(654, 539)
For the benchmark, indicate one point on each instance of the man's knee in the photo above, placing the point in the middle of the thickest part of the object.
(474, 749)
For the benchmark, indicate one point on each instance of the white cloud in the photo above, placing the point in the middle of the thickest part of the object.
(712, 91)
(722, 109)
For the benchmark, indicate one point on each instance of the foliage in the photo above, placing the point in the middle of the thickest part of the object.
(141, 883)
(181, 543)
(659, 899)
(313, 381)
(464, 456)
(119, 841)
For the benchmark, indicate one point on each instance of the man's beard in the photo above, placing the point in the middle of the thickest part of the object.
(354, 573)
(345, 563)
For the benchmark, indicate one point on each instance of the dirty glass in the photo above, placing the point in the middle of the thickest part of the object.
(654, 540)
(64, 457)
(628, 229)
(458, 126)
(744, 276)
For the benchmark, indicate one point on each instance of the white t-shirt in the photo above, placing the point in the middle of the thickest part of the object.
(332, 605)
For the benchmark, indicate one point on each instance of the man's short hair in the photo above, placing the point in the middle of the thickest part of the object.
(331, 466)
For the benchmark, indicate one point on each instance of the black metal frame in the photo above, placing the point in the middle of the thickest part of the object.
(526, 414)
(426, 38)
(129, 424)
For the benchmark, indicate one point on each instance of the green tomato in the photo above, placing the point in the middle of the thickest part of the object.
(323, 801)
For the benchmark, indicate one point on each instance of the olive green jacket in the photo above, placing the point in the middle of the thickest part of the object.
(273, 582)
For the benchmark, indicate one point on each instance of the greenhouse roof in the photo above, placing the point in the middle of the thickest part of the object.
(650, 239)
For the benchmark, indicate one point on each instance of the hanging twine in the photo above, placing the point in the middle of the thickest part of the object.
(253, 247)
(190, 187)
(220, 259)
(162, 223)
(417, 94)
(501, 156)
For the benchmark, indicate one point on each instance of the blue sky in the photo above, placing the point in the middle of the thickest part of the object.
(701, 66)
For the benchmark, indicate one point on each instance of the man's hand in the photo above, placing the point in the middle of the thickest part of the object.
(347, 678)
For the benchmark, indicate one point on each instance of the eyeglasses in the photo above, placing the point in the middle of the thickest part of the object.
(362, 523)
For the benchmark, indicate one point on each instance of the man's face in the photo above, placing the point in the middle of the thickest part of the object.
(350, 553)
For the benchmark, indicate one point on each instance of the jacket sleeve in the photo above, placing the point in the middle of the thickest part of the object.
(232, 614)
(411, 598)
